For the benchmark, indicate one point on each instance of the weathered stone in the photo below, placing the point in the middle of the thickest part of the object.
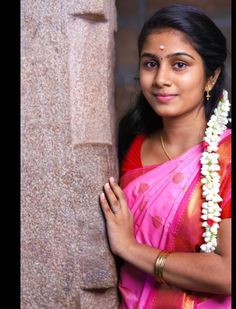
(67, 153)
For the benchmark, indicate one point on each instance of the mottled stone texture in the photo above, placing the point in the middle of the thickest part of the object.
(67, 153)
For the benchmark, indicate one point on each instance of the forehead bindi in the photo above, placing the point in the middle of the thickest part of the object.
(167, 42)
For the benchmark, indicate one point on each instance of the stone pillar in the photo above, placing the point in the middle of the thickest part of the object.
(67, 153)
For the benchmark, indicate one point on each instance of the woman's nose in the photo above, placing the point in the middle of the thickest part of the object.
(162, 76)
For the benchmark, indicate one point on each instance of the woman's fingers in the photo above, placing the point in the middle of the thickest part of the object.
(119, 220)
(105, 206)
(117, 190)
(113, 201)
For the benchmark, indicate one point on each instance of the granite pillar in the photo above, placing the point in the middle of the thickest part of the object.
(67, 152)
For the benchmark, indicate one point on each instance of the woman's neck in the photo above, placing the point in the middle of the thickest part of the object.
(182, 135)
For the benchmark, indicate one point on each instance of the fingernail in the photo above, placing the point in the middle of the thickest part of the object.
(107, 186)
(102, 196)
(112, 179)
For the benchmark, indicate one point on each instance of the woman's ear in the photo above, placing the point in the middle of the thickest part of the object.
(216, 75)
(213, 78)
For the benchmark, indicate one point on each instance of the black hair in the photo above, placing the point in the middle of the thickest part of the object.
(208, 41)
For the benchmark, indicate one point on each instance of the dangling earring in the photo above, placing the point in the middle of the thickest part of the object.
(208, 93)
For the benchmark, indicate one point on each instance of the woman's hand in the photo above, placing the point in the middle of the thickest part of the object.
(118, 217)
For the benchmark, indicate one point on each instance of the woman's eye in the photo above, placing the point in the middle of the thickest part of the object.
(151, 64)
(180, 65)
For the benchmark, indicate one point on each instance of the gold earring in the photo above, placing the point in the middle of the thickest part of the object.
(208, 93)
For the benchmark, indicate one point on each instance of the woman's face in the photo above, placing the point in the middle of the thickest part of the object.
(172, 76)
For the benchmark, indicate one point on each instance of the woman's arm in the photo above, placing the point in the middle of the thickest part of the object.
(205, 272)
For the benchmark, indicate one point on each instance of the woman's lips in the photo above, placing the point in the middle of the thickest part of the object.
(164, 98)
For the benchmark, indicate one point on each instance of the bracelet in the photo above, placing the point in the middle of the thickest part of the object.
(159, 265)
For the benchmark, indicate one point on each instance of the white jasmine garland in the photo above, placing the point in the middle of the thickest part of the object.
(211, 211)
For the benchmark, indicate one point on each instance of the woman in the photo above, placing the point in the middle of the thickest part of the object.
(169, 217)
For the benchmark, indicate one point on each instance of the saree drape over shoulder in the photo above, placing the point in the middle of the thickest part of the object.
(165, 201)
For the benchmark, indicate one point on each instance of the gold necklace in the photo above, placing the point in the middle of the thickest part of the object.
(164, 148)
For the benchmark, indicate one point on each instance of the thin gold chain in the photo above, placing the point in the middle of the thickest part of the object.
(164, 148)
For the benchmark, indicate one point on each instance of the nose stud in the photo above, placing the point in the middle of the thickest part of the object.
(161, 47)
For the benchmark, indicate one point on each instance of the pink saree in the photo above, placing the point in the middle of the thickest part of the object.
(165, 201)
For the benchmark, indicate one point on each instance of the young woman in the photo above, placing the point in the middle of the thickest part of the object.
(169, 217)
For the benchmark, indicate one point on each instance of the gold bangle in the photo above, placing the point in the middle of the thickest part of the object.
(159, 265)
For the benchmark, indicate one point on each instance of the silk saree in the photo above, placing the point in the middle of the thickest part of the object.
(165, 201)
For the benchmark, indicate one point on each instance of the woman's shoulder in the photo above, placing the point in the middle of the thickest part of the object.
(225, 154)
(225, 173)
(225, 144)
(138, 140)
(132, 158)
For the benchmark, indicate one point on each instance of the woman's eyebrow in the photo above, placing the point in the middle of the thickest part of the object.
(150, 55)
(180, 54)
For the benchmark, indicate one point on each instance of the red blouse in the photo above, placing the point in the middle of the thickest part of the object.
(132, 158)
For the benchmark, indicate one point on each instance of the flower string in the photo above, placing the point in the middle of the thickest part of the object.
(211, 211)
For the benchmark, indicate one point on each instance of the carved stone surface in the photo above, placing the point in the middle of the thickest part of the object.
(90, 70)
(67, 153)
